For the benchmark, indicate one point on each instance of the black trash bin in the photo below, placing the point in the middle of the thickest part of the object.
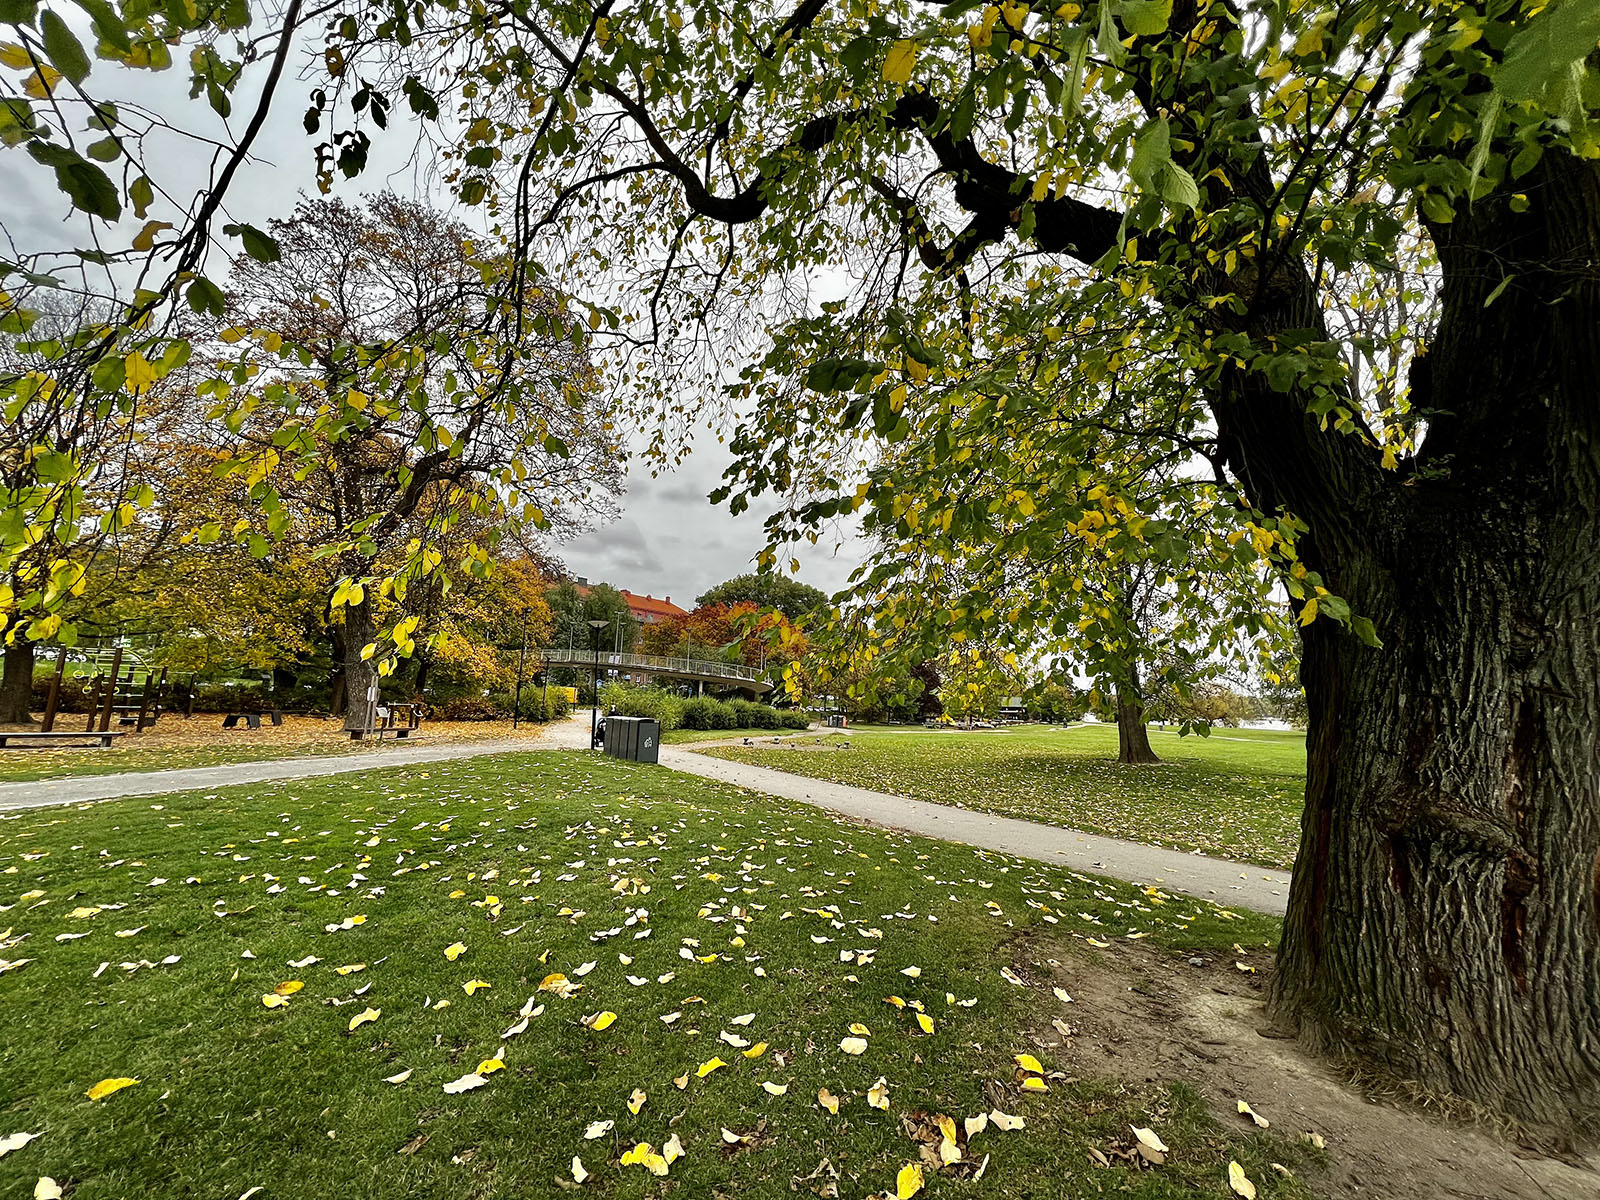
(637, 739)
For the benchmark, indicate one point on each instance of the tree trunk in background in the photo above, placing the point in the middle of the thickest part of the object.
(338, 695)
(1133, 739)
(16, 684)
(1444, 919)
(360, 675)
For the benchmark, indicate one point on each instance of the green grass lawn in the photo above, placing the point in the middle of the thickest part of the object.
(713, 923)
(680, 737)
(1237, 793)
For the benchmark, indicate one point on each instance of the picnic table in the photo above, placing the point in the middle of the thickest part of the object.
(21, 739)
(399, 721)
(251, 720)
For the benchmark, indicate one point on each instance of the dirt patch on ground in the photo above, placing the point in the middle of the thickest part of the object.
(1146, 1015)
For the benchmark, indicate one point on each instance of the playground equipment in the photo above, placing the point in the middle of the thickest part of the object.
(112, 693)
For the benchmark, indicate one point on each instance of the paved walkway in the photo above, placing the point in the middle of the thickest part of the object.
(1230, 883)
(1235, 884)
(83, 788)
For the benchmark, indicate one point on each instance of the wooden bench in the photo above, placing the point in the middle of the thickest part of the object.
(399, 721)
(39, 738)
(252, 720)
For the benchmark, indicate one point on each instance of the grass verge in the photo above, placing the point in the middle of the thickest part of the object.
(1237, 794)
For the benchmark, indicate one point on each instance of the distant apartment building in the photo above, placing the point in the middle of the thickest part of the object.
(646, 610)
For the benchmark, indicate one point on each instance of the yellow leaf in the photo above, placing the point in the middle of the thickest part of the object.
(1246, 1111)
(709, 1066)
(924, 1020)
(860, 1030)
(138, 372)
(455, 950)
(473, 985)
(273, 1000)
(288, 987)
(578, 1173)
(1240, 1182)
(46, 1189)
(909, 1182)
(600, 1021)
(673, 1150)
(1308, 614)
(828, 1100)
(897, 65)
(756, 1051)
(490, 1065)
(465, 1084)
(636, 1101)
(854, 1045)
(1034, 1084)
(106, 1086)
(1005, 1121)
(1029, 1063)
(878, 1093)
(350, 968)
(775, 1089)
(912, 972)
(363, 1017)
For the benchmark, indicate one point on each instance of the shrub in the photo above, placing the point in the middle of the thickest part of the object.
(628, 701)
(705, 713)
(473, 708)
(793, 718)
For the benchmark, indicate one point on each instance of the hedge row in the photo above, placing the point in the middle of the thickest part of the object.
(702, 712)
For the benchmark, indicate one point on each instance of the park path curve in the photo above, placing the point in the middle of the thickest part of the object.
(1261, 889)
(1233, 884)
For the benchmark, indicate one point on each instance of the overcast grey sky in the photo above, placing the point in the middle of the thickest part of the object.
(669, 539)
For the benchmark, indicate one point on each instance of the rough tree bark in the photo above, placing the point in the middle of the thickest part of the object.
(16, 684)
(1444, 919)
(360, 675)
(1133, 738)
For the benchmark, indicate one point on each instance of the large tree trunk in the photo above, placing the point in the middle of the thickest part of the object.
(16, 684)
(1133, 739)
(1444, 919)
(360, 675)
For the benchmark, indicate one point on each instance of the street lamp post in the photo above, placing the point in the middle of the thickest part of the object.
(595, 626)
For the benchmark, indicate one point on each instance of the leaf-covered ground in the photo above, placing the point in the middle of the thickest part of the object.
(483, 978)
(679, 737)
(201, 741)
(1237, 793)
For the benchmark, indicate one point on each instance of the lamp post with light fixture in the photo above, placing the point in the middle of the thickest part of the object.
(595, 626)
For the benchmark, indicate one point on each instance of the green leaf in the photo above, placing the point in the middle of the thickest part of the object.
(1363, 629)
(18, 12)
(1437, 209)
(89, 188)
(206, 297)
(142, 195)
(1146, 18)
(259, 246)
(1178, 187)
(52, 467)
(556, 446)
(107, 24)
(65, 51)
(1152, 151)
(1498, 288)
(105, 150)
(1543, 52)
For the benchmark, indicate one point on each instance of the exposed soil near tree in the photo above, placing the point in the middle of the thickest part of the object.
(1145, 1015)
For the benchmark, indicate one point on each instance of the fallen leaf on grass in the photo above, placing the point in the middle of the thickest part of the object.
(756, 1051)
(742, 1020)
(1029, 1063)
(16, 1141)
(1005, 1121)
(1240, 1182)
(465, 1084)
(401, 1077)
(854, 1045)
(363, 1017)
(455, 950)
(636, 1101)
(288, 987)
(600, 1021)
(490, 1065)
(350, 968)
(107, 1086)
(598, 1129)
(828, 1100)
(775, 1089)
(1246, 1111)
(1147, 1137)
(473, 985)
(578, 1172)
(878, 1094)
(709, 1066)
(273, 1000)
(46, 1189)
(644, 1155)
(673, 1150)
(1034, 1084)
(908, 1182)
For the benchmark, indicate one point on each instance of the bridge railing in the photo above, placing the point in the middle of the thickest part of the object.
(661, 663)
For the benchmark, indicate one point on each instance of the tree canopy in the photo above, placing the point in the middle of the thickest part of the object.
(791, 597)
